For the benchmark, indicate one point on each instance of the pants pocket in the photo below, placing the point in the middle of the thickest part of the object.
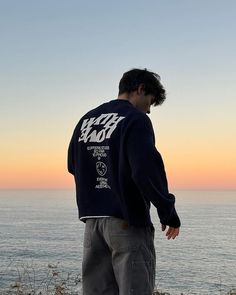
(122, 236)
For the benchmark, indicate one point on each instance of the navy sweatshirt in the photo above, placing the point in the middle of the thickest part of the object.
(117, 169)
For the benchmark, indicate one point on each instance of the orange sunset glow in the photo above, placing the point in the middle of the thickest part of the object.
(188, 167)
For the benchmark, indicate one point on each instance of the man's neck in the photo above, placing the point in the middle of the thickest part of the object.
(128, 96)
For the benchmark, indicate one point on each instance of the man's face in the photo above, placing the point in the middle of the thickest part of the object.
(144, 103)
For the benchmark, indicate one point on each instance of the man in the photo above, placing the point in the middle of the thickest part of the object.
(118, 172)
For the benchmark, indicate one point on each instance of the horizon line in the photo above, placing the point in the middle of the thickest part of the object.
(73, 189)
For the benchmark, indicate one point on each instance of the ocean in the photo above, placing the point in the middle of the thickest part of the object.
(41, 242)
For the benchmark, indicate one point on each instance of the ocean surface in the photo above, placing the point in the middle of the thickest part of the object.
(41, 240)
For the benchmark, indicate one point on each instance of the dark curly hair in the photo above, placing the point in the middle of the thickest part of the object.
(131, 80)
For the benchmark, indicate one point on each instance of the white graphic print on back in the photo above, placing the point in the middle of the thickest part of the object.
(100, 152)
(107, 121)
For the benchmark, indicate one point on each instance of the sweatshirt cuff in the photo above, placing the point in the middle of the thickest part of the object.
(174, 220)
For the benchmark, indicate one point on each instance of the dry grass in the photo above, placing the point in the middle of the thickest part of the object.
(55, 282)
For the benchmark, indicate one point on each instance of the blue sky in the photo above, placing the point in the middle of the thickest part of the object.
(60, 58)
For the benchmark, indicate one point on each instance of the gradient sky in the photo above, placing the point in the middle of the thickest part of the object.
(61, 58)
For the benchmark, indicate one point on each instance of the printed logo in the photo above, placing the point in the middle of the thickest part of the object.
(101, 168)
(102, 183)
(108, 122)
(99, 151)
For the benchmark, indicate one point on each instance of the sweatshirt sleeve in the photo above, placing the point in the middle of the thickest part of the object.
(70, 156)
(148, 170)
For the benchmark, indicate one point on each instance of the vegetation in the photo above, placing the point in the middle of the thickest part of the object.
(55, 282)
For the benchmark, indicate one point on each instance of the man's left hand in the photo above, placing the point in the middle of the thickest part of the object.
(171, 233)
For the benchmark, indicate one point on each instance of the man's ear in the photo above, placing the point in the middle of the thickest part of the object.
(141, 89)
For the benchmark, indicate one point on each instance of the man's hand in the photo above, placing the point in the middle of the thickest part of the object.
(172, 232)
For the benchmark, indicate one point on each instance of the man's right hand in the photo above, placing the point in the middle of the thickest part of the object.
(171, 233)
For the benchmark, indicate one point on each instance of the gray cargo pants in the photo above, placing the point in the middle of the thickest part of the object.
(118, 259)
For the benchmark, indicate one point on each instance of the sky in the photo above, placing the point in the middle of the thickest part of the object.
(60, 58)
